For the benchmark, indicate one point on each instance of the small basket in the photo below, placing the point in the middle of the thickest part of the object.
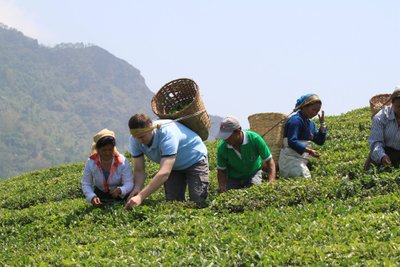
(262, 124)
(182, 93)
(377, 102)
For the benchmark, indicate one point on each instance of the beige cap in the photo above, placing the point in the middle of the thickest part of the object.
(98, 136)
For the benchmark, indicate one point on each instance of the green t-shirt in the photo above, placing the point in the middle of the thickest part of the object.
(253, 151)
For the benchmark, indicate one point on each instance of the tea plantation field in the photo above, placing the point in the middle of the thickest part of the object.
(342, 216)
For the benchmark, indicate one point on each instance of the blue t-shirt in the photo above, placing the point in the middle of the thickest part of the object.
(299, 128)
(173, 138)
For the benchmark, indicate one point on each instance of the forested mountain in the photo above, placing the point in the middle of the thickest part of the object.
(53, 99)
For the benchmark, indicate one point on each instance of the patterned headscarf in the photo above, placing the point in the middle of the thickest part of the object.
(305, 100)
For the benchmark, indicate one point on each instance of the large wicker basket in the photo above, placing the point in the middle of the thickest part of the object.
(262, 124)
(182, 92)
(379, 101)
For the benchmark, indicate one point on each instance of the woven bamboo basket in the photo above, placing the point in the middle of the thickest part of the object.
(262, 123)
(378, 101)
(182, 93)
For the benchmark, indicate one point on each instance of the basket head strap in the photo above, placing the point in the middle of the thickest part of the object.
(140, 131)
(279, 122)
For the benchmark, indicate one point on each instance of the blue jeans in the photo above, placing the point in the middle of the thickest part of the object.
(252, 180)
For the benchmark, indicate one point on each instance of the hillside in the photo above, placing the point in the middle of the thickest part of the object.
(54, 99)
(342, 216)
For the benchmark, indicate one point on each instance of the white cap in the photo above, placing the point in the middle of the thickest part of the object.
(228, 126)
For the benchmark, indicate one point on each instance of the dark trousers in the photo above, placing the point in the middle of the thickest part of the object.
(106, 197)
(195, 177)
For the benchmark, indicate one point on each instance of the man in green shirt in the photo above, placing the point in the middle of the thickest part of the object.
(240, 157)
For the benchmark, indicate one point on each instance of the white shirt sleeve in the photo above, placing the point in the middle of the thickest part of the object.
(87, 182)
(376, 138)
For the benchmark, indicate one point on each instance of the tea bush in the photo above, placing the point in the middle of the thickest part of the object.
(341, 216)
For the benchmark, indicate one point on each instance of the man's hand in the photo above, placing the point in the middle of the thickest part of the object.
(133, 201)
(222, 189)
(96, 201)
(386, 160)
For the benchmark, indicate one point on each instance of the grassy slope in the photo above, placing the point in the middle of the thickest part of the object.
(341, 216)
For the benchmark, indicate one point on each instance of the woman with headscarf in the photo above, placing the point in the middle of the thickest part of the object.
(108, 174)
(299, 132)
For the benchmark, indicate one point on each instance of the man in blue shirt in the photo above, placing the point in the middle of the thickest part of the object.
(181, 154)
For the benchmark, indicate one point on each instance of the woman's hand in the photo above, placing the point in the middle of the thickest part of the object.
(312, 152)
(116, 192)
(96, 201)
(321, 117)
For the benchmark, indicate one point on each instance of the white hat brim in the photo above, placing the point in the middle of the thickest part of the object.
(223, 135)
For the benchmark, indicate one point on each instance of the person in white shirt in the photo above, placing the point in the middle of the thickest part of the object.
(107, 174)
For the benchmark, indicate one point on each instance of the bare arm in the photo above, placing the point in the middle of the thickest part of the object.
(158, 180)
(138, 175)
(271, 170)
(222, 180)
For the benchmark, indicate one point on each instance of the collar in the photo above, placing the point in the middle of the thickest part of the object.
(117, 159)
(391, 115)
(302, 116)
(155, 139)
(245, 140)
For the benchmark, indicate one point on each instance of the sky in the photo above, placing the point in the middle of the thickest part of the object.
(246, 56)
